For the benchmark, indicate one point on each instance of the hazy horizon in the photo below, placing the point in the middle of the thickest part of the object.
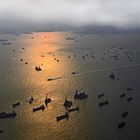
(28, 14)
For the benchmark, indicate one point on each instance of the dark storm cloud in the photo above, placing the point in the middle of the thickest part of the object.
(119, 13)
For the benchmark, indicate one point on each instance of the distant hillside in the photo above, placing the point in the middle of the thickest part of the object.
(47, 27)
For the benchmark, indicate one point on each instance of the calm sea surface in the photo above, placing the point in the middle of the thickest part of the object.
(92, 58)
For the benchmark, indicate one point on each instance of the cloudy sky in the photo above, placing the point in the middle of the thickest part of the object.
(119, 13)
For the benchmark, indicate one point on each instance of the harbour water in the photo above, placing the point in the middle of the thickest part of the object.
(73, 61)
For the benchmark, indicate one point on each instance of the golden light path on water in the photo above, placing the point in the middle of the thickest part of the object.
(41, 51)
(19, 82)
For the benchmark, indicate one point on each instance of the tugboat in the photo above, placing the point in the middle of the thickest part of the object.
(5, 115)
(47, 100)
(42, 107)
(38, 68)
(112, 76)
(65, 116)
(67, 103)
(31, 100)
(80, 95)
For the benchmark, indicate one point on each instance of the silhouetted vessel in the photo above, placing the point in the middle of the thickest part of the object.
(103, 103)
(38, 68)
(112, 76)
(124, 114)
(129, 89)
(100, 95)
(122, 95)
(5, 115)
(16, 104)
(74, 109)
(129, 99)
(47, 100)
(65, 116)
(70, 38)
(1, 131)
(67, 103)
(31, 100)
(42, 107)
(80, 95)
(121, 125)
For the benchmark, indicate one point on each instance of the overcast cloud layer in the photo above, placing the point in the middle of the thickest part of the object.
(119, 13)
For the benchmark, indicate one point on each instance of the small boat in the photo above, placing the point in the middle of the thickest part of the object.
(124, 114)
(1, 131)
(74, 109)
(3, 40)
(83, 57)
(49, 79)
(5, 115)
(103, 103)
(70, 38)
(42, 107)
(93, 57)
(42, 56)
(122, 95)
(65, 116)
(31, 100)
(129, 89)
(129, 99)
(80, 95)
(100, 95)
(16, 104)
(47, 100)
(67, 103)
(112, 76)
(73, 72)
(26, 63)
(121, 125)
(38, 68)
(6, 43)
(21, 59)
